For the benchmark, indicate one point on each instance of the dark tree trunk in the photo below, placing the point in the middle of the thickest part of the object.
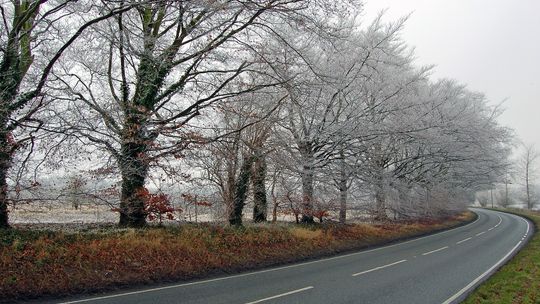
(307, 183)
(275, 202)
(3, 198)
(134, 169)
(342, 190)
(241, 191)
(10, 79)
(229, 189)
(380, 199)
(260, 204)
(232, 162)
(132, 212)
(274, 212)
(5, 162)
(307, 198)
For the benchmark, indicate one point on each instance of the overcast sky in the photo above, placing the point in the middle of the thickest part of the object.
(493, 46)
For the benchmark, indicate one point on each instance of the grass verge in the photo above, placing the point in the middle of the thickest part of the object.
(36, 264)
(519, 280)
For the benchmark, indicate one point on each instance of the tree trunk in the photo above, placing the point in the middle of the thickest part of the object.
(342, 190)
(241, 191)
(260, 206)
(380, 199)
(228, 197)
(405, 206)
(275, 203)
(274, 212)
(428, 199)
(134, 170)
(307, 198)
(529, 205)
(10, 80)
(307, 183)
(7, 149)
(3, 196)
(230, 181)
(506, 203)
(5, 163)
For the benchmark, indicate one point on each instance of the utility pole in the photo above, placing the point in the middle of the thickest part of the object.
(491, 192)
(506, 194)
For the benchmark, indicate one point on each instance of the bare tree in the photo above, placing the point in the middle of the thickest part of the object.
(528, 166)
(34, 36)
(238, 90)
(167, 63)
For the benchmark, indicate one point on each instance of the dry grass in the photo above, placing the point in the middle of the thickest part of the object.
(306, 234)
(39, 263)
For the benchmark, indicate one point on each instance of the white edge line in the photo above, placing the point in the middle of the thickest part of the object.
(266, 270)
(380, 267)
(471, 284)
(436, 250)
(281, 295)
(528, 227)
(499, 223)
(462, 241)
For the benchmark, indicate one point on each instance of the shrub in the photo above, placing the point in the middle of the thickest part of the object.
(158, 206)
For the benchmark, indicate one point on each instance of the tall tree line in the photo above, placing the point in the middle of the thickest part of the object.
(278, 101)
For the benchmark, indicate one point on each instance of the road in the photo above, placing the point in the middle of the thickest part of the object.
(440, 268)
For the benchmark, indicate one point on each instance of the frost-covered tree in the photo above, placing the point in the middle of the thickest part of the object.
(33, 37)
(292, 100)
(528, 165)
(166, 64)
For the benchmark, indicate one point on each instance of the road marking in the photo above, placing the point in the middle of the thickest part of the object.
(471, 284)
(475, 281)
(378, 268)
(500, 221)
(281, 295)
(479, 234)
(526, 232)
(462, 241)
(266, 270)
(433, 251)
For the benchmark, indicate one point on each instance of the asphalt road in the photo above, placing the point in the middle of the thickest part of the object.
(440, 268)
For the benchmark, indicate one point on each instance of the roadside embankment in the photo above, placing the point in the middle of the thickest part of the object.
(37, 263)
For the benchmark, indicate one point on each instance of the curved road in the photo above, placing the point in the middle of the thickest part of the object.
(440, 268)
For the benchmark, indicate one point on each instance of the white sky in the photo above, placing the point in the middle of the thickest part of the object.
(493, 46)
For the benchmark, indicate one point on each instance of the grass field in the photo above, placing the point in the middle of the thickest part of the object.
(519, 280)
(37, 263)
